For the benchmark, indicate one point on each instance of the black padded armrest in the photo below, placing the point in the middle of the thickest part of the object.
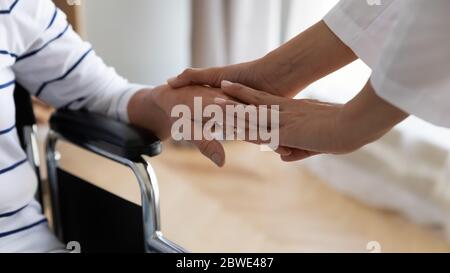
(110, 135)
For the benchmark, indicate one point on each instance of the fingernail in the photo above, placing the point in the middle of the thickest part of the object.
(220, 101)
(217, 159)
(172, 80)
(285, 151)
(226, 84)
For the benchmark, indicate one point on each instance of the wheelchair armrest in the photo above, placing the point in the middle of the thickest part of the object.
(115, 137)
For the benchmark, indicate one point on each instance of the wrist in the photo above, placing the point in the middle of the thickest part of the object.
(351, 131)
(310, 56)
(157, 98)
(287, 69)
(367, 117)
(145, 111)
(274, 72)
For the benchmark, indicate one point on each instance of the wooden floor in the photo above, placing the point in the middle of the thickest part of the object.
(255, 204)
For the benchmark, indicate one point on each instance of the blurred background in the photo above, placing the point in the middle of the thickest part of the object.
(395, 192)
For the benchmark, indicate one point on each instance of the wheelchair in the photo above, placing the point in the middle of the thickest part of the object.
(98, 220)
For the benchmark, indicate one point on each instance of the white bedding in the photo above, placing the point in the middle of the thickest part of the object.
(407, 171)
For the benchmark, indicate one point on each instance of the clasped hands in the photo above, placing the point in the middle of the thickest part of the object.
(305, 127)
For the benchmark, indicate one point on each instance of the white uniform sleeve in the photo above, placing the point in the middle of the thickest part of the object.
(63, 70)
(414, 71)
(364, 27)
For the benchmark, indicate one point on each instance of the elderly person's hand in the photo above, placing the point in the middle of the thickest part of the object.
(311, 127)
(152, 109)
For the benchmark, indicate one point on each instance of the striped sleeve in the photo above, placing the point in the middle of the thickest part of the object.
(63, 70)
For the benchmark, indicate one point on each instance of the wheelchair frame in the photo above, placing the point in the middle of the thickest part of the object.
(155, 242)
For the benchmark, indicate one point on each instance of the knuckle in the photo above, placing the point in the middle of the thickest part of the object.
(215, 76)
(255, 97)
(187, 72)
(238, 87)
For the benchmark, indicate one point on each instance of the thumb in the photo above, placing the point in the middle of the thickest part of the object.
(212, 149)
(193, 76)
(207, 145)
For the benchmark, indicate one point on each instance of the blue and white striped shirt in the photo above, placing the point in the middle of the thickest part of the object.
(39, 50)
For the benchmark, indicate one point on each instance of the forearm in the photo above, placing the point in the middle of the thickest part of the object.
(305, 59)
(366, 118)
(144, 112)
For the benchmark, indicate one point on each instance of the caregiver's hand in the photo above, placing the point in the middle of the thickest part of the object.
(284, 72)
(312, 127)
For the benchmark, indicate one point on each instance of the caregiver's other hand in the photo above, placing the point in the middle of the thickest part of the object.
(311, 127)
(255, 73)
(285, 71)
(151, 109)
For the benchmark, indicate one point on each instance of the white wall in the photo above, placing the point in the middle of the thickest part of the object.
(147, 41)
